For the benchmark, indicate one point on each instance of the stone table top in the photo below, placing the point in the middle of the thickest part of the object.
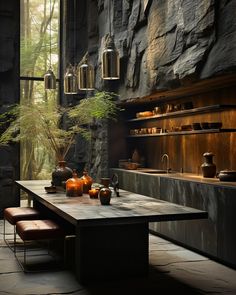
(126, 209)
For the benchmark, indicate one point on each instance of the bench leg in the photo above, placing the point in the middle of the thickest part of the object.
(8, 243)
(25, 263)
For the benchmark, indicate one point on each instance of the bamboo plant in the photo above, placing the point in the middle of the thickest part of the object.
(42, 122)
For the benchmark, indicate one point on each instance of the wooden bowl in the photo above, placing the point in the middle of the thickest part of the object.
(215, 125)
(204, 125)
(50, 189)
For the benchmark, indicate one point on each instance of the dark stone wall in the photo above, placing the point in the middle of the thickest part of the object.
(164, 44)
(9, 94)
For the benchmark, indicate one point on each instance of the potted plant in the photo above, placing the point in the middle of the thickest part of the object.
(43, 123)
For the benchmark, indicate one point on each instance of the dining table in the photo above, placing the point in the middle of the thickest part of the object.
(110, 241)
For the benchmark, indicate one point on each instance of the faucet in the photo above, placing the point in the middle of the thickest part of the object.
(115, 184)
(167, 162)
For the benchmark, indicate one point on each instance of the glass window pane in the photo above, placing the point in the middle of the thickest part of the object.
(39, 37)
(39, 50)
(37, 160)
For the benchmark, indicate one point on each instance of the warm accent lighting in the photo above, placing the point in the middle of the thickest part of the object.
(85, 74)
(110, 60)
(110, 56)
(70, 81)
(49, 80)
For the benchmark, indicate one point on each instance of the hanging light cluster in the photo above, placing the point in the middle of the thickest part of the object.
(81, 77)
(49, 77)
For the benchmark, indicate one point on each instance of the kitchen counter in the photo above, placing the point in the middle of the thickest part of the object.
(184, 176)
(214, 237)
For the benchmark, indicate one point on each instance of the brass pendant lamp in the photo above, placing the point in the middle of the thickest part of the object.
(110, 56)
(85, 74)
(70, 81)
(49, 77)
(70, 78)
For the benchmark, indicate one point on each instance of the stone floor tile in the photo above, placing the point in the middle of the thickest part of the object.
(172, 268)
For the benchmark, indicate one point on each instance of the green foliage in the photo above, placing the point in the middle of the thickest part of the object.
(40, 123)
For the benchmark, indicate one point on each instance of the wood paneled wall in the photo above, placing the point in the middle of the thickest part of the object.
(185, 151)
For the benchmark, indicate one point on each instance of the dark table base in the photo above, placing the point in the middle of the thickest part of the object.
(111, 252)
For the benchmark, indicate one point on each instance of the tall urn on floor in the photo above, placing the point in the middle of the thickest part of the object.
(61, 174)
(208, 167)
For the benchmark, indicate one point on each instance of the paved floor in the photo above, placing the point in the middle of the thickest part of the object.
(172, 269)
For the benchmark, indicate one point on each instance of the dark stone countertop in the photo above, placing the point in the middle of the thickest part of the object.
(184, 177)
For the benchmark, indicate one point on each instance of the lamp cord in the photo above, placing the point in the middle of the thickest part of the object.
(109, 17)
(74, 32)
(50, 38)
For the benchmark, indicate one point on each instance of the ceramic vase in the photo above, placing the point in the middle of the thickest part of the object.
(208, 167)
(61, 174)
(105, 196)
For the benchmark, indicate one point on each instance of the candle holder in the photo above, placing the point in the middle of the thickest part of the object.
(74, 186)
(87, 182)
(93, 193)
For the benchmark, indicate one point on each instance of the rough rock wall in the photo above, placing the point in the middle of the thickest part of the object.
(163, 44)
(166, 43)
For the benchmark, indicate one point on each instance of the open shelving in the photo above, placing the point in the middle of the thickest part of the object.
(181, 113)
(183, 132)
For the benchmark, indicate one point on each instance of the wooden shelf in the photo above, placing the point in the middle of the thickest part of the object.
(181, 113)
(205, 131)
(199, 87)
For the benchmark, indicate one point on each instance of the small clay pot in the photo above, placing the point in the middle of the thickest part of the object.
(227, 175)
(105, 196)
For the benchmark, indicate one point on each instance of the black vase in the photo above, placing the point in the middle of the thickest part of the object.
(208, 167)
(61, 174)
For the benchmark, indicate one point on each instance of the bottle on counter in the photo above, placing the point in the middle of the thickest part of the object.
(135, 156)
(208, 167)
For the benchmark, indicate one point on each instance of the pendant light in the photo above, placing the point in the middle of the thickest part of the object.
(49, 77)
(85, 74)
(70, 81)
(70, 78)
(110, 56)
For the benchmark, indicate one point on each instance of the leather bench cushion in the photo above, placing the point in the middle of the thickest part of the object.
(14, 214)
(39, 230)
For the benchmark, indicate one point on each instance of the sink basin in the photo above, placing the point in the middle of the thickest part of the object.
(154, 171)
